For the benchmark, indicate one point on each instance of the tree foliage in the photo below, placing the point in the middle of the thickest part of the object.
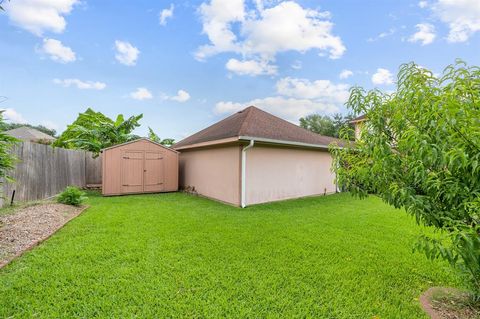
(7, 160)
(92, 131)
(324, 124)
(154, 137)
(420, 150)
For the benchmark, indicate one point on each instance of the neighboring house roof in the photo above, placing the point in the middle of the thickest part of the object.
(253, 123)
(360, 118)
(26, 133)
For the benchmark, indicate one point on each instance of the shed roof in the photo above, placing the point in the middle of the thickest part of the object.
(29, 134)
(255, 123)
(138, 140)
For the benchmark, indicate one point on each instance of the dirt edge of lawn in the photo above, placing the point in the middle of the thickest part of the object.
(27, 227)
(448, 303)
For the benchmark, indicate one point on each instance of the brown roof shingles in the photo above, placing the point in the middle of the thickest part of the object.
(255, 123)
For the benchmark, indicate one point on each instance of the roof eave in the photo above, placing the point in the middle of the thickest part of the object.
(284, 142)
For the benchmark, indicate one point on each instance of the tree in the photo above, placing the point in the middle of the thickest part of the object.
(420, 150)
(7, 160)
(325, 125)
(93, 131)
(154, 137)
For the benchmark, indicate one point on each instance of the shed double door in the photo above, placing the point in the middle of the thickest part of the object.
(142, 171)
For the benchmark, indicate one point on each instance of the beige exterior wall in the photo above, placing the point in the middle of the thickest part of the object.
(212, 172)
(274, 173)
(358, 129)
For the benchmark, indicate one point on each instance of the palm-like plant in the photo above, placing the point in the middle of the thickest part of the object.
(93, 131)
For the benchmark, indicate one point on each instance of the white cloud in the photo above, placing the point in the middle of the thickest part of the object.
(261, 33)
(297, 65)
(425, 34)
(57, 51)
(345, 74)
(83, 85)
(182, 96)
(126, 53)
(296, 98)
(166, 14)
(423, 4)
(383, 35)
(382, 77)
(320, 90)
(291, 109)
(38, 16)
(250, 67)
(11, 115)
(462, 17)
(141, 94)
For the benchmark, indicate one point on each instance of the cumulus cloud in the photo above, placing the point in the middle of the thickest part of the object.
(166, 14)
(423, 4)
(259, 34)
(345, 74)
(295, 98)
(83, 85)
(250, 67)
(297, 65)
(126, 53)
(57, 51)
(141, 94)
(11, 115)
(425, 34)
(382, 77)
(38, 16)
(182, 96)
(461, 16)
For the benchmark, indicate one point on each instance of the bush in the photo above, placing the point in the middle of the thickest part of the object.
(72, 196)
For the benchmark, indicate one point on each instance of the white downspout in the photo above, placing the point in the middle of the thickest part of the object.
(244, 172)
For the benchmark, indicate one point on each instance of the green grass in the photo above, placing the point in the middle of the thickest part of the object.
(176, 255)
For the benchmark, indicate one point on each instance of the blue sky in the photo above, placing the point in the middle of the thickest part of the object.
(187, 64)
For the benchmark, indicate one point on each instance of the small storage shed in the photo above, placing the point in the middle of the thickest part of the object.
(140, 166)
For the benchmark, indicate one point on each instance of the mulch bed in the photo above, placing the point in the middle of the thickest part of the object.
(27, 227)
(447, 303)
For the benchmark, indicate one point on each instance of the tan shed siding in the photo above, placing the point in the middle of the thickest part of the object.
(112, 166)
(275, 173)
(213, 172)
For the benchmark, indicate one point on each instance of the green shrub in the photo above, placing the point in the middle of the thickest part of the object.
(72, 196)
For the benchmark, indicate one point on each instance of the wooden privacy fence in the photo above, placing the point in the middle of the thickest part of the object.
(44, 171)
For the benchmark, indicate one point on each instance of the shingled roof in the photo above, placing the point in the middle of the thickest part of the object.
(255, 123)
(26, 133)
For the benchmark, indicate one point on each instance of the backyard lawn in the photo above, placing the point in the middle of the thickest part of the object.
(177, 255)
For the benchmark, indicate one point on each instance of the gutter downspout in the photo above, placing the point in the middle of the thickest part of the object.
(244, 172)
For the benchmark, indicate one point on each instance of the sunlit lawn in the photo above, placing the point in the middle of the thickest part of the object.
(176, 255)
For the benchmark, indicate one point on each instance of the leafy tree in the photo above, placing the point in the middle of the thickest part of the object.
(10, 126)
(93, 131)
(154, 137)
(1, 6)
(7, 160)
(325, 125)
(420, 150)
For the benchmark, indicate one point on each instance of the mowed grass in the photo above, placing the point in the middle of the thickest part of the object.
(176, 255)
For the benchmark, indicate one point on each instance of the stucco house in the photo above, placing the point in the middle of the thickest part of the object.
(358, 124)
(254, 157)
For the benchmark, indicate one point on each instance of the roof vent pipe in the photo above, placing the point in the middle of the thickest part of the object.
(244, 172)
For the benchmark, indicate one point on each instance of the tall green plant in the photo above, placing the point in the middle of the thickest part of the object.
(7, 160)
(154, 137)
(420, 150)
(93, 131)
